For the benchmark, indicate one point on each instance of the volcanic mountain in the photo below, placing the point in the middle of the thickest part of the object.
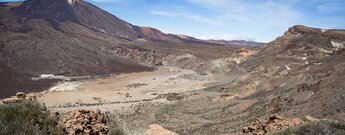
(74, 37)
(61, 36)
(299, 73)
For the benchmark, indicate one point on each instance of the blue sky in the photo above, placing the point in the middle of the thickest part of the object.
(258, 20)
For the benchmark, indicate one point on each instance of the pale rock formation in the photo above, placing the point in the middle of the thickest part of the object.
(158, 130)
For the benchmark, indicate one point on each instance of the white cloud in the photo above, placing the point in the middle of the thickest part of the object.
(173, 13)
(252, 13)
(265, 14)
(163, 13)
(210, 2)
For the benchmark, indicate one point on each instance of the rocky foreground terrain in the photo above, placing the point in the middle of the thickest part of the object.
(82, 59)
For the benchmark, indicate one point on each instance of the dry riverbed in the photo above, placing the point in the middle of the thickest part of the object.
(123, 92)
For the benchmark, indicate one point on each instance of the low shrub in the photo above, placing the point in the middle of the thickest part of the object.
(321, 127)
(27, 118)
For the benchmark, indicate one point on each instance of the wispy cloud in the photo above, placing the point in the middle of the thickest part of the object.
(261, 20)
(225, 37)
(210, 3)
(173, 13)
(164, 13)
(255, 13)
(258, 16)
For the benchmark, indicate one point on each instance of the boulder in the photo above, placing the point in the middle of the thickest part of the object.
(310, 118)
(296, 121)
(21, 95)
(158, 130)
(274, 103)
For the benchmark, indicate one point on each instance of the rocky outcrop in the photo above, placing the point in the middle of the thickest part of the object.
(146, 57)
(20, 97)
(274, 123)
(86, 122)
(331, 33)
(310, 118)
(158, 130)
(274, 106)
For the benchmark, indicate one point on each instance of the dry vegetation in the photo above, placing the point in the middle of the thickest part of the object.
(27, 118)
(322, 127)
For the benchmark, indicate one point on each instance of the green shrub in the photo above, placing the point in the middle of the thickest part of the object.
(27, 118)
(116, 127)
(321, 127)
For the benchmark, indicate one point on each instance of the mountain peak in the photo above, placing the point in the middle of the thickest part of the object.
(77, 11)
(300, 29)
(53, 9)
(72, 2)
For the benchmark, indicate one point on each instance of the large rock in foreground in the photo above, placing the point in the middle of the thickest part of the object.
(86, 122)
(158, 130)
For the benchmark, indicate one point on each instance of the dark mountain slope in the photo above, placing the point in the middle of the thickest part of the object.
(11, 82)
(76, 11)
(60, 10)
(50, 36)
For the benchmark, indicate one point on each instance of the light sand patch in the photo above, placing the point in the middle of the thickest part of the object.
(121, 91)
(65, 86)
